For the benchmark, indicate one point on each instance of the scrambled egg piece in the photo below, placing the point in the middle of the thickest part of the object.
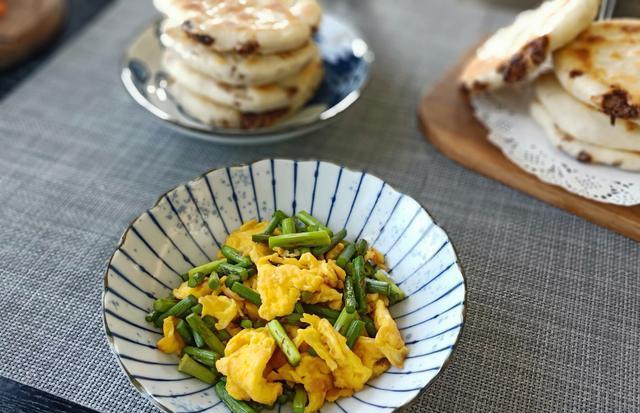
(371, 356)
(222, 308)
(375, 256)
(251, 282)
(250, 310)
(172, 342)
(331, 273)
(331, 346)
(388, 338)
(240, 239)
(233, 329)
(183, 291)
(244, 363)
(279, 286)
(335, 251)
(313, 373)
(335, 393)
(227, 291)
(328, 295)
(372, 299)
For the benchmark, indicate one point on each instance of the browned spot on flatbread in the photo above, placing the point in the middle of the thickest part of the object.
(532, 55)
(616, 104)
(630, 126)
(566, 137)
(582, 54)
(479, 86)
(192, 5)
(593, 38)
(616, 56)
(476, 86)
(248, 47)
(261, 120)
(291, 91)
(630, 28)
(616, 163)
(584, 157)
(575, 73)
(190, 30)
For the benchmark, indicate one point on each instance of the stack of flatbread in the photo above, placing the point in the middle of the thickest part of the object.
(586, 78)
(241, 63)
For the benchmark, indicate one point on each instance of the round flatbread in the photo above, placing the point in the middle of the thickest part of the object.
(245, 26)
(236, 69)
(515, 53)
(602, 68)
(243, 98)
(585, 122)
(583, 151)
(216, 114)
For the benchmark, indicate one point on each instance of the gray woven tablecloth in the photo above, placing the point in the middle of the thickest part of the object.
(553, 320)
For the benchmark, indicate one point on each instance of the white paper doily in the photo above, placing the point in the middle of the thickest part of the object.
(506, 116)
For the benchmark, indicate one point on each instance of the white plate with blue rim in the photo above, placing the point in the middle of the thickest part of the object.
(187, 225)
(346, 59)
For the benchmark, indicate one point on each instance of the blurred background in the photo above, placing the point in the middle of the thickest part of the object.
(31, 30)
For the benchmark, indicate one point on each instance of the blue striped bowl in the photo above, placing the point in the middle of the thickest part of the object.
(189, 223)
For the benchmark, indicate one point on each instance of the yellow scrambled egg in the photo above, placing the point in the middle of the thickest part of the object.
(244, 363)
(250, 310)
(333, 275)
(335, 251)
(331, 346)
(372, 299)
(335, 393)
(240, 239)
(375, 256)
(279, 286)
(172, 342)
(222, 308)
(328, 295)
(227, 291)
(280, 281)
(388, 338)
(367, 350)
(183, 291)
(314, 375)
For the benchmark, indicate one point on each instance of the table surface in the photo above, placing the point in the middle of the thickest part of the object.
(553, 311)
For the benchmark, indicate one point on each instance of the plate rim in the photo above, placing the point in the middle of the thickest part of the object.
(242, 136)
(105, 284)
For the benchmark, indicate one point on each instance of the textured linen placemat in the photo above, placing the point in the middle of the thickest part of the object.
(554, 302)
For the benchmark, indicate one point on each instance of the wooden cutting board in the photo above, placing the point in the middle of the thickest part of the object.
(447, 120)
(26, 26)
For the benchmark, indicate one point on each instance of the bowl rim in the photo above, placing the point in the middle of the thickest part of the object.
(141, 389)
(244, 136)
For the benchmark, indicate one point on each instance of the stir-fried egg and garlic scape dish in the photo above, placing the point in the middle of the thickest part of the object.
(290, 312)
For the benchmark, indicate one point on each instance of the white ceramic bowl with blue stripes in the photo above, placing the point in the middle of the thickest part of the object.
(188, 224)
